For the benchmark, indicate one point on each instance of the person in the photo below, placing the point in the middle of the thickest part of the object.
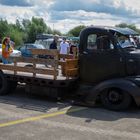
(73, 49)
(53, 45)
(64, 47)
(6, 50)
(136, 41)
(12, 43)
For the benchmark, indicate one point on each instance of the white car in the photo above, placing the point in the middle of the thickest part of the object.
(46, 42)
(15, 53)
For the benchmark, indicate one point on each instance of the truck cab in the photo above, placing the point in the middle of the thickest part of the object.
(109, 66)
(103, 56)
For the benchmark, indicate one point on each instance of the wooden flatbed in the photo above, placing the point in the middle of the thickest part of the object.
(40, 71)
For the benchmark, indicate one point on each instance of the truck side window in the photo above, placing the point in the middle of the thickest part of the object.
(91, 42)
(104, 43)
(100, 42)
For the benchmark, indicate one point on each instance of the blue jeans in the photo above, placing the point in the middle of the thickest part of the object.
(5, 61)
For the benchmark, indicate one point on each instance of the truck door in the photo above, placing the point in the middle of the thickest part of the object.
(99, 59)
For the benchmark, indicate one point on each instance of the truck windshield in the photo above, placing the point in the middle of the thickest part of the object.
(127, 41)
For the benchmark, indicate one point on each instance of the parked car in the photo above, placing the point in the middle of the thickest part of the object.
(46, 42)
(15, 53)
(25, 49)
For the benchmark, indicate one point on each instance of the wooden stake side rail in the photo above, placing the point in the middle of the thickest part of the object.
(44, 61)
(69, 67)
(45, 52)
(27, 69)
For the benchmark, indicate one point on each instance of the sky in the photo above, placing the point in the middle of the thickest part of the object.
(64, 15)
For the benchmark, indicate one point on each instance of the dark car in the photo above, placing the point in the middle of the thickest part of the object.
(25, 49)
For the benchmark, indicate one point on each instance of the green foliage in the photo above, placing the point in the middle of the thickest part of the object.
(34, 27)
(76, 31)
(16, 36)
(56, 32)
(26, 30)
(4, 28)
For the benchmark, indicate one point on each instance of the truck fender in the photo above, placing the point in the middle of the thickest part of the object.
(123, 84)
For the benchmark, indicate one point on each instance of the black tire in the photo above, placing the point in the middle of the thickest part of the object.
(4, 86)
(115, 99)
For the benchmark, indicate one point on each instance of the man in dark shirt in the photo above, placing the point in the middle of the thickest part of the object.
(53, 45)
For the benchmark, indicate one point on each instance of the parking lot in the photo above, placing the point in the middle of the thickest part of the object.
(36, 118)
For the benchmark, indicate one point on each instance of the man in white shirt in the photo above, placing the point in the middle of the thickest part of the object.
(64, 47)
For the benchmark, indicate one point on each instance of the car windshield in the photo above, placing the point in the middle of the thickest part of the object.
(37, 46)
(40, 46)
(126, 42)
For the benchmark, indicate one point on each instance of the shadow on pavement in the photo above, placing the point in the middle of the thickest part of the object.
(43, 104)
(37, 103)
(99, 113)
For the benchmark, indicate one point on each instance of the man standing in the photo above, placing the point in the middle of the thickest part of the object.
(64, 47)
(53, 45)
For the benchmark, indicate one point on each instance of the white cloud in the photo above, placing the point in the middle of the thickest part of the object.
(66, 14)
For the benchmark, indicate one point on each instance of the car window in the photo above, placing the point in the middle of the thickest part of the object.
(39, 46)
(100, 42)
(30, 46)
(23, 47)
(91, 44)
(126, 41)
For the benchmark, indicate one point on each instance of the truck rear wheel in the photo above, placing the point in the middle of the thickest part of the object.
(116, 99)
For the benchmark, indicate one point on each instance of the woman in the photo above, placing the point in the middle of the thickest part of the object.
(6, 50)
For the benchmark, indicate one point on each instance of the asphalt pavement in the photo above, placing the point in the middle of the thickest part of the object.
(38, 118)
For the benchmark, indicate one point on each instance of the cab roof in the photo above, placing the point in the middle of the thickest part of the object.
(124, 31)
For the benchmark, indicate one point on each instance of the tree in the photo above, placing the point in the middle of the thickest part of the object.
(25, 30)
(76, 30)
(56, 32)
(4, 28)
(34, 27)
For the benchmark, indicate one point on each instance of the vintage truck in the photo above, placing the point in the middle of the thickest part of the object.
(106, 68)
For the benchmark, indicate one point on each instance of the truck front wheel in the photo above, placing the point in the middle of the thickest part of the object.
(115, 99)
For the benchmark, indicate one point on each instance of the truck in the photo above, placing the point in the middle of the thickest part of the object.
(106, 68)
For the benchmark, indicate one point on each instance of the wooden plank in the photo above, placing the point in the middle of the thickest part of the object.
(34, 66)
(44, 52)
(29, 69)
(69, 67)
(51, 62)
(72, 72)
(66, 56)
(15, 64)
(75, 52)
(71, 63)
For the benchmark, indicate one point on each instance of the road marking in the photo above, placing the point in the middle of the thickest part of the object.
(44, 116)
